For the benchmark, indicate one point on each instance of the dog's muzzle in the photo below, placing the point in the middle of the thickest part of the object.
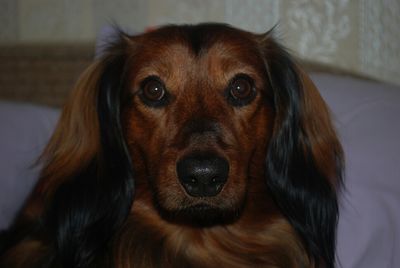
(202, 175)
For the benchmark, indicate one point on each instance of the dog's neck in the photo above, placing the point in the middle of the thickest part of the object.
(147, 240)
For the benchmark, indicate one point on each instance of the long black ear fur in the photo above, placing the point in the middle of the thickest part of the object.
(302, 191)
(90, 207)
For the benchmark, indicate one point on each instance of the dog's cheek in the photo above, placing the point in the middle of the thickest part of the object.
(262, 126)
(236, 186)
(138, 136)
(169, 192)
(255, 129)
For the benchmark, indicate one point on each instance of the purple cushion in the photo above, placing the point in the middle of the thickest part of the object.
(25, 130)
(367, 119)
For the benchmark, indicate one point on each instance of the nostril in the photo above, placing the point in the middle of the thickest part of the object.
(202, 174)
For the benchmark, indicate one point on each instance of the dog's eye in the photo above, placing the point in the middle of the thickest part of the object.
(241, 90)
(153, 92)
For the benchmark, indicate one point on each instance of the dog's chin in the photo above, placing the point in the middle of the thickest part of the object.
(201, 215)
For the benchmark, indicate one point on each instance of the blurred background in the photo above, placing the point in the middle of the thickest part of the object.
(45, 44)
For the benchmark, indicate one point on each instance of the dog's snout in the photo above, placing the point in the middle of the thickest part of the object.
(200, 127)
(203, 175)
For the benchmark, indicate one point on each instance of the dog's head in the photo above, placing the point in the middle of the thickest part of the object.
(198, 119)
(201, 122)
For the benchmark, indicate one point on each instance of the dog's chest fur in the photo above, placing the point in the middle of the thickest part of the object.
(146, 242)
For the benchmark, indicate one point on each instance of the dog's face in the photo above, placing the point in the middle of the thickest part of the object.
(198, 119)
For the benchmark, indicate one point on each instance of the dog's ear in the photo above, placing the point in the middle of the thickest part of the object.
(304, 159)
(87, 176)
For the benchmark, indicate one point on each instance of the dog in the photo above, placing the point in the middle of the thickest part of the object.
(186, 146)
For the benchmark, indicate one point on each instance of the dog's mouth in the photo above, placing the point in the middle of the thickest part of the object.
(201, 215)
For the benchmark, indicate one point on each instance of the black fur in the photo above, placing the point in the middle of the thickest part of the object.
(302, 193)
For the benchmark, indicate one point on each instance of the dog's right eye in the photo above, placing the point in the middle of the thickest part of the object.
(153, 92)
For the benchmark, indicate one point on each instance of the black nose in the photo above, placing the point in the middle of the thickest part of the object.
(203, 174)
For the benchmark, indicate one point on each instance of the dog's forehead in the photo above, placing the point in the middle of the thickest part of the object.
(219, 50)
(199, 38)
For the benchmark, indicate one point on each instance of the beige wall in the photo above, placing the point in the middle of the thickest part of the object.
(361, 36)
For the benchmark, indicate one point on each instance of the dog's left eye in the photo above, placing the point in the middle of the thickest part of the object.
(153, 92)
(241, 90)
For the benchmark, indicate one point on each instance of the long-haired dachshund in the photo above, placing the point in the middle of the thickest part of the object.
(187, 146)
